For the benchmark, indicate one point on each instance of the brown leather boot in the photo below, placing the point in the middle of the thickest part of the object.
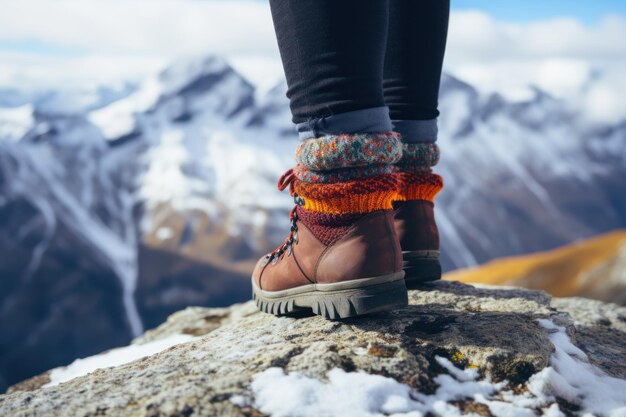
(357, 271)
(414, 222)
(418, 235)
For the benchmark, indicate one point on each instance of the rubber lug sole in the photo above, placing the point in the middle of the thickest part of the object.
(337, 301)
(420, 267)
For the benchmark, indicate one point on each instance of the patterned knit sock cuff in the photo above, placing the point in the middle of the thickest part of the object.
(418, 186)
(327, 227)
(341, 174)
(360, 196)
(418, 156)
(332, 152)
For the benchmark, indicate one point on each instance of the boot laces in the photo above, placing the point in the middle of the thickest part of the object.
(286, 180)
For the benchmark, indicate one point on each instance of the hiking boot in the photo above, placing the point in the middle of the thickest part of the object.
(414, 222)
(337, 265)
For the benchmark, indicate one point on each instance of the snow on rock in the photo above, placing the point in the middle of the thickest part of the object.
(454, 350)
(118, 118)
(207, 135)
(114, 357)
(71, 207)
(572, 377)
(136, 149)
(345, 394)
(69, 241)
(354, 394)
(503, 159)
(80, 99)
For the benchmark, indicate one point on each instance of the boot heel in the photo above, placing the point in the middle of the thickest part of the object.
(420, 267)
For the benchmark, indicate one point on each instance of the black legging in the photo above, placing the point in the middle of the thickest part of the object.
(345, 55)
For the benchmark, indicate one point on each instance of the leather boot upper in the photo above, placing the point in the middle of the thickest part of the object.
(415, 226)
(368, 248)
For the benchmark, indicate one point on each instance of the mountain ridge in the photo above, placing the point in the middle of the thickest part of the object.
(171, 169)
(593, 268)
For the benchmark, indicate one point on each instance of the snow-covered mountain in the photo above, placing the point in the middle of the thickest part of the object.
(138, 201)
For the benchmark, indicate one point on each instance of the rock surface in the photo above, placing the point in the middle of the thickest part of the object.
(495, 330)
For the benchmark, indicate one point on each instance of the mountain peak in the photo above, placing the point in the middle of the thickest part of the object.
(198, 75)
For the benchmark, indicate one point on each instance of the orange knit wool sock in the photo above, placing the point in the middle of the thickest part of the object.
(418, 186)
(358, 196)
(330, 209)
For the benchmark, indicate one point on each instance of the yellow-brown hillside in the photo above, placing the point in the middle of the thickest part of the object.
(593, 268)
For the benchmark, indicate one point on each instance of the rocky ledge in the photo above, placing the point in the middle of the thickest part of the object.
(456, 349)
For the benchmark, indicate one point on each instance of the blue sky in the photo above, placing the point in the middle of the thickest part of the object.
(587, 11)
(41, 47)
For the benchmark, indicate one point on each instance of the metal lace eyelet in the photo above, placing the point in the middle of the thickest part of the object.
(299, 201)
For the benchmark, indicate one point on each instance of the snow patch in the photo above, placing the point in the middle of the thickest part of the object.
(118, 119)
(114, 357)
(570, 377)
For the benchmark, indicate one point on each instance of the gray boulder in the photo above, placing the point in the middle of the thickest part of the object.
(514, 342)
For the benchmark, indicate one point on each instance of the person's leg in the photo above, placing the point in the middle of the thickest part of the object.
(342, 257)
(333, 53)
(412, 72)
(416, 44)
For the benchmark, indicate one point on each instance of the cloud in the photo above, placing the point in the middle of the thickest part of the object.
(112, 39)
(31, 72)
(165, 27)
(477, 36)
(131, 38)
(571, 61)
